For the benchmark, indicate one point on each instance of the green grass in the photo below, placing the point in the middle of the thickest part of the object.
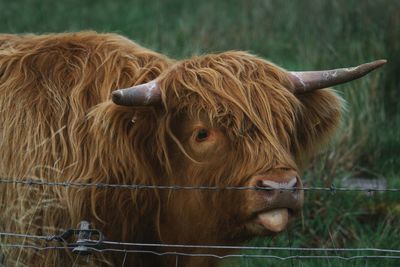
(297, 35)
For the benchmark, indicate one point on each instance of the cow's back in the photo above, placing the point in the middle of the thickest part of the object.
(48, 85)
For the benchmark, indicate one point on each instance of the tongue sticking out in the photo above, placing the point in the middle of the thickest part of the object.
(274, 220)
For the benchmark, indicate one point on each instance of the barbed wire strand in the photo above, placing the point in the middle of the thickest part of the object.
(175, 253)
(115, 243)
(332, 188)
(254, 248)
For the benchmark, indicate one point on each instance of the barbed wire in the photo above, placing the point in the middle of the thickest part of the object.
(115, 246)
(254, 247)
(175, 253)
(160, 245)
(332, 188)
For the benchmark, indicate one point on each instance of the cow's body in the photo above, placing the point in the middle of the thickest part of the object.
(58, 81)
(58, 124)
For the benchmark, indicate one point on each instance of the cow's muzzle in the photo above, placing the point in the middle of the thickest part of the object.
(279, 196)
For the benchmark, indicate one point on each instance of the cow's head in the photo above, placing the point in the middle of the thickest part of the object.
(235, 120)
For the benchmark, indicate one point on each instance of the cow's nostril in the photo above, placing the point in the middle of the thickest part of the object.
(260, 184)
(295, 184)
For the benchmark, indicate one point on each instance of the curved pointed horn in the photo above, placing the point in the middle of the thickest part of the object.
(140, 95)
(312, 80)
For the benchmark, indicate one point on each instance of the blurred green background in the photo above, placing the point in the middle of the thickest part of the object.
(297, 35)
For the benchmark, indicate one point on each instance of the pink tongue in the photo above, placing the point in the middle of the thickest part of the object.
(274, 220)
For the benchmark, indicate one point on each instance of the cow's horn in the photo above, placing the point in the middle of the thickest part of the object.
(306, 81)
(140, 95)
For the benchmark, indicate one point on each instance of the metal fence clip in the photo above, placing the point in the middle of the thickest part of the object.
(83, 239)
(84, 243)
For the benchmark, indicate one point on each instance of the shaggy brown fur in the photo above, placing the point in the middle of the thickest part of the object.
(57, 124)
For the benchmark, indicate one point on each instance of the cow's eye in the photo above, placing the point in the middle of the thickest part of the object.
(202, 135)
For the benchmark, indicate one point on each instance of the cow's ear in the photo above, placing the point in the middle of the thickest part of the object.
(317, 120)
(119, 128)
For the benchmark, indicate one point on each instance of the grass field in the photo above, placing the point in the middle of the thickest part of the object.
(305, 34)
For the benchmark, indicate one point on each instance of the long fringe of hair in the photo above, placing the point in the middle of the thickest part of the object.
(57, 124)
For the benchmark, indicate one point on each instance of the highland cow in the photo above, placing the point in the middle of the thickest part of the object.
(228, 119)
